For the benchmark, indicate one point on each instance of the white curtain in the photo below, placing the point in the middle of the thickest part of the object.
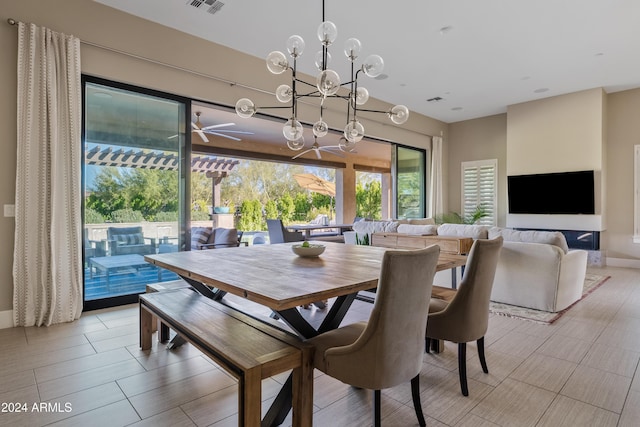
(436, 191)
(47, 270)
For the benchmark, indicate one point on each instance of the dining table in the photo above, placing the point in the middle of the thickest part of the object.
(275, 277)
(308, 228)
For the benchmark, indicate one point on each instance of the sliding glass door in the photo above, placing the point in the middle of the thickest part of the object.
(134, 182)
(410, 173)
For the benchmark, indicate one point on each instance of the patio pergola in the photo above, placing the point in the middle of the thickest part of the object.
(214, 167)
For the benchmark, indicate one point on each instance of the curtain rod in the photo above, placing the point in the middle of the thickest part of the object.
(13, 22)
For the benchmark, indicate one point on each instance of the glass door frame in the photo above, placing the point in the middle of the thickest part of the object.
(394, 173)
(184, 171)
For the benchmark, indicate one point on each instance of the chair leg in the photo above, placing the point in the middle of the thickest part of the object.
(415, 393)
(462, 367)
(427, 344)
(483, 361)
(376, 408)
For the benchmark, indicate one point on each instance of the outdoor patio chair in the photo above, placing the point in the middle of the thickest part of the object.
(278, 234)
(129, 240)
(208, 238)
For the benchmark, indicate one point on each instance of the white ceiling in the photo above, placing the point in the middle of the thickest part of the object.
(491, 53)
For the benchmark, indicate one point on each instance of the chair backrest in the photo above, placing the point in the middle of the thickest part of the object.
(226, 237)
(390, 349)
(112, 232)
(468, 312)
(276, 231)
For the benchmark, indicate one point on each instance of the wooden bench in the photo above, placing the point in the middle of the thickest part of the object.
(161, 287)
(245, 347)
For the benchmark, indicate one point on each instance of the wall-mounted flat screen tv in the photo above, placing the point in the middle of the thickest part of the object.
(570, 193)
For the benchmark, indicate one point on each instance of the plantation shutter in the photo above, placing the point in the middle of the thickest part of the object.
(479, 189)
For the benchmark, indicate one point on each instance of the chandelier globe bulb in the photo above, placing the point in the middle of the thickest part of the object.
(292, 130)
(327, 33)
(245, 108)
(277, 62)
(373, 65)
(295, 46)
(284, 93)
(354, 131)
(352, 48)
(399, 114)
(328, 82)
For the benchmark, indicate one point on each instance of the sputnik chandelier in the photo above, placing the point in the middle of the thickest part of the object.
(326, 86)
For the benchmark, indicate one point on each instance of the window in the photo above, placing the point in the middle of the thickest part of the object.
(479, 190)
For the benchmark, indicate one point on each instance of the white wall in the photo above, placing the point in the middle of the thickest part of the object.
(559, 134)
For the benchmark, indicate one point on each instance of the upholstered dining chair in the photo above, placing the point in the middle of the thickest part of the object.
(386, 350)
(466, 317)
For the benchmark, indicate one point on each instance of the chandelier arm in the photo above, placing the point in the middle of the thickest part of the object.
(272, 107)
(306, 83)
(373, 111)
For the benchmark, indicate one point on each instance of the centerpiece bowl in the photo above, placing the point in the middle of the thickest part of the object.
(312, 250)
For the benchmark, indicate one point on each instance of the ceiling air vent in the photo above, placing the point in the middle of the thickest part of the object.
(434, 99)
(210, 6)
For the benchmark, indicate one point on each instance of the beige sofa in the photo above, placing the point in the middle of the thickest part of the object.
(537, 270)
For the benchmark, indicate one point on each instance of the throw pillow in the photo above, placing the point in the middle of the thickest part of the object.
(225, 237)
(129, 239)
(199, 236)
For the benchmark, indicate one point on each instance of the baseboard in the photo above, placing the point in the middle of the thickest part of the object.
(6, 319)
(623, 262)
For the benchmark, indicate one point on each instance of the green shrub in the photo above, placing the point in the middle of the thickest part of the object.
(251, 216)
(271, 209)
(92, 216)
(167, 216)
(126, 215)
(199, 216)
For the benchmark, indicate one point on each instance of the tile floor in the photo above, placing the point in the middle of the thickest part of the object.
(580, 371)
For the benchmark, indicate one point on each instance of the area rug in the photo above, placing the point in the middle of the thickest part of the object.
(591, 283)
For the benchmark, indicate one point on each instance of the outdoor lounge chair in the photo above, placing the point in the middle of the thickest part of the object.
(129, 240)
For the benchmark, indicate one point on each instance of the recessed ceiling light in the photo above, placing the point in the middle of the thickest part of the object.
(445, 29)
(599, 54)
(525, 78)
(456, 109)
(541, 90)
(403, 84)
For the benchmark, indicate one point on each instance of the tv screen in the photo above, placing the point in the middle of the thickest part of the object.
(569, 193)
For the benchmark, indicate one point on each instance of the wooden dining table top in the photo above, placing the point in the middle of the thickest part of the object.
(272, 275)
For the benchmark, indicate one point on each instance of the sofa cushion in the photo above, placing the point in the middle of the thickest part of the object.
(423, 230)
(225, 237)
(129, 239)
(464, 230)
(555, 238)
(369, 227)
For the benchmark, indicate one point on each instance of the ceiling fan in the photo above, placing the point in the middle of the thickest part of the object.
(215, 130)
(317, 148)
